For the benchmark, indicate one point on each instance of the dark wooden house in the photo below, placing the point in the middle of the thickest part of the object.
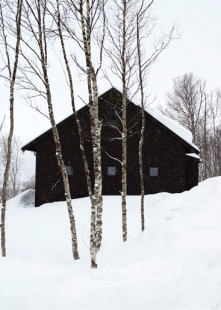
(170, 161)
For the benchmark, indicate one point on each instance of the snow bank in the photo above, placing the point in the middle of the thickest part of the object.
(174, 264)
(27, 198)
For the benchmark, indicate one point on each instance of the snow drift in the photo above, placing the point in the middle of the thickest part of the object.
(174, 264)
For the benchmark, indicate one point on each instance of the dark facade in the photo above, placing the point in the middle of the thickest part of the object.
(166, 166)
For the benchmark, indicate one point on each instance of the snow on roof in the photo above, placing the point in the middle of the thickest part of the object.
(172, 125)
(41, 133)
(193, 155)
(47, 128)
(168, 122)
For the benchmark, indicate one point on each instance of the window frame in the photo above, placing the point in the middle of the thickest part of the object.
(69, 166)
(112, 175)
(153, 175)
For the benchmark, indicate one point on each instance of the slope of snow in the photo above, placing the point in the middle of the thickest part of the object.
(168, 122)
(171, 124)
(174, 264)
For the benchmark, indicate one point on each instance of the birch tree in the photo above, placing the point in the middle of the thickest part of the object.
(55, 11)
(140, 22)
(121, 51)
(10, 23)
(71, 87)
(145, 23)
(186, 101)
(207, 138)
(190, 104)
(211, 136)
(36, 67)
(87, 15)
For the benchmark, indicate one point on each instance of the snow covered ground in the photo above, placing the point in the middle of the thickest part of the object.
(174, 264)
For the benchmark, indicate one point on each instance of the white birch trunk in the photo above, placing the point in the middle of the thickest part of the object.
(142, 123)
(96, 208)
(56, 137)
(124, 128)
(98, 201)
(81, 138)
(141, 170)
(12, 75)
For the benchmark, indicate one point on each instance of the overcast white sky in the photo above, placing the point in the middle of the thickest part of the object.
(198, 50)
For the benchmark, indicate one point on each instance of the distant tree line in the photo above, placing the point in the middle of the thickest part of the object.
(199, 111)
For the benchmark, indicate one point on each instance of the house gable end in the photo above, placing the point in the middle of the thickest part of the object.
(113, 97)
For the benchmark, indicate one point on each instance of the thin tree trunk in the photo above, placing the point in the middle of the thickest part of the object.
(98, 201)
(56, 137)
(139, 16)
(124, 129)
(12, 75)
(141, 155)
(141, 171)
(93, 247)
(82, 146)
(205, 150)
(96, 208)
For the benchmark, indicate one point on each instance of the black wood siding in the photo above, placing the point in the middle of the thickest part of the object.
(162, 149)
(191, 172)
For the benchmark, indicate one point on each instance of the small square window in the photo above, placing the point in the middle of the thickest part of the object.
(153, 171)
(69, 170)
(112, 170)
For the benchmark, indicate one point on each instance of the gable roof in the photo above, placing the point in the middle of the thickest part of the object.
(163, 121)
(172, 125)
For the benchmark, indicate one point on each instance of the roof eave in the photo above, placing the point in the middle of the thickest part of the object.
(190, 146)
